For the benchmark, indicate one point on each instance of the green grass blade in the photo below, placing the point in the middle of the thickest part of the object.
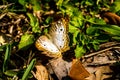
(7, 57)
(110, 29)
(28, 70)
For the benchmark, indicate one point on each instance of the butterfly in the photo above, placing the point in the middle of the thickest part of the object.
(58, 41)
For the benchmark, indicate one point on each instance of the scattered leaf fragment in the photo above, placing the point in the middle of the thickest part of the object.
(26, 41)
(42, 73)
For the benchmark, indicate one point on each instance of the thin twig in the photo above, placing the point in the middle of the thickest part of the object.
(101, 63)
(5, 6)
(101, 51)
(20, 57)
(109, 44)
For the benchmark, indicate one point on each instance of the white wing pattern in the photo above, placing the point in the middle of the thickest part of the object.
(58, 40)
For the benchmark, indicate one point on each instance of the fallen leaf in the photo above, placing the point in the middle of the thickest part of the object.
(111, 18)
(59, 68)
(42, 73)
(77, 71)
(101, 73)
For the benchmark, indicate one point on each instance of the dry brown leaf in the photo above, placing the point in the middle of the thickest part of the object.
(91, 77)
(100, 73)
(111, 18)
(77, 71)
(42, 73)
(59, 68)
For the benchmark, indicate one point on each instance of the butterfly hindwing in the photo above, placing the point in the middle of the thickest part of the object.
(45, 44)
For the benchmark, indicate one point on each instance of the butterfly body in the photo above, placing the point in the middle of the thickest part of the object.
(58, 40)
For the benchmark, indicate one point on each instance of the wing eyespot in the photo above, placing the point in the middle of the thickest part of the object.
(61, 29)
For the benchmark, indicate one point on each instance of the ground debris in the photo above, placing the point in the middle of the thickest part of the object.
(42, 73)
(100, 64)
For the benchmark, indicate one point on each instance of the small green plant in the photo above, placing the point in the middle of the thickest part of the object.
(26, 73)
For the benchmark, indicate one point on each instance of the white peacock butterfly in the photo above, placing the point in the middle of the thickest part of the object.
(57, 41)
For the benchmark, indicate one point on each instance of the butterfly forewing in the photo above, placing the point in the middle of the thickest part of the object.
(59, 34)
(45, 44)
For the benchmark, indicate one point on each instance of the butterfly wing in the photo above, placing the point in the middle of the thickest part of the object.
(45, 44)
(59, 34)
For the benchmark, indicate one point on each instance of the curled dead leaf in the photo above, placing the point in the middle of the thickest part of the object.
(42, 73)
(77, 71)
(111, 18)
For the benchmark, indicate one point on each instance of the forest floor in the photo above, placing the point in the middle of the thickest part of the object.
(103, 64)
